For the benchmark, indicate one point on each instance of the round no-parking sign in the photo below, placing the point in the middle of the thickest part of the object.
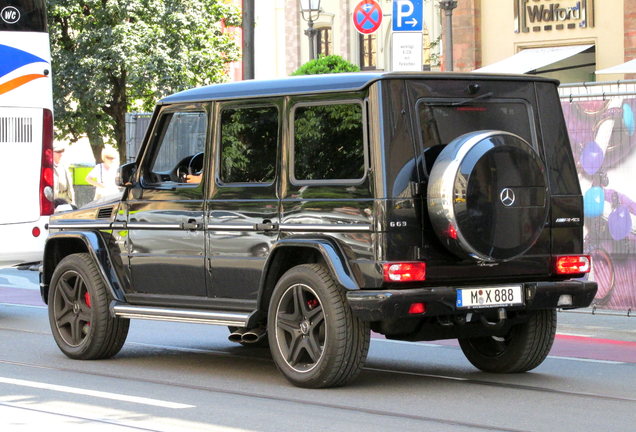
(367, 16)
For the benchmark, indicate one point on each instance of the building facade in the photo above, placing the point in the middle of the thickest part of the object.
(568, 40)
(590, 34)
(281, 44)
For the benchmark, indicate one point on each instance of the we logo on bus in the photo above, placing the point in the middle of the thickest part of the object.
(10, 15)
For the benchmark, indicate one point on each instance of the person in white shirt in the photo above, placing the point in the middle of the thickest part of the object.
(102, 176)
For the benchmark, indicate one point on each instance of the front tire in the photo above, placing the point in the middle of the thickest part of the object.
(78, 311)
(523, 348)
(314, 338)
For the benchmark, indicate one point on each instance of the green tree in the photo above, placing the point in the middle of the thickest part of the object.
(115, 56)
(325, 65)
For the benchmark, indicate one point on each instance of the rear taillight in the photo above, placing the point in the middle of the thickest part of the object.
(404, 272)
(572, 264)
(46, 173)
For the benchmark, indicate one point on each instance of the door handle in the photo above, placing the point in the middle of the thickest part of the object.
(267, 225)
(191, 225)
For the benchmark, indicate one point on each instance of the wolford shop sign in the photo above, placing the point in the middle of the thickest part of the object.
(542, 15)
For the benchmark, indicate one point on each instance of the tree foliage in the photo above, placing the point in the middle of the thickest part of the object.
(115, 56)
(328, 142)
(249, 140)
(325, 65)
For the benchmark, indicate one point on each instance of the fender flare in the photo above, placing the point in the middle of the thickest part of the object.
(331, 253)
(95, 245)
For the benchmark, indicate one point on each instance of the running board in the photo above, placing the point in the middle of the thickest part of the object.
(233, 319)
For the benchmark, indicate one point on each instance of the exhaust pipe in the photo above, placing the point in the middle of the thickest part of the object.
(237, 335)
(254, 335)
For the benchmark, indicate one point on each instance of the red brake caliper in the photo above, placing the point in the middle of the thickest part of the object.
(312, 303)
(87, 300)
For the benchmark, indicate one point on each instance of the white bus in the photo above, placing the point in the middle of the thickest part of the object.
(26, 131)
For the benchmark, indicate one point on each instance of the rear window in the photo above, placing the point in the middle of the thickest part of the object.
(442, 122)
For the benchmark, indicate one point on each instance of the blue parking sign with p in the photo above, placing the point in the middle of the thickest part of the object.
(408, 15)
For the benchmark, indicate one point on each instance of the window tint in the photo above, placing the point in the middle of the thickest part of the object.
(328, 142)
(441, 123)
(182, 136)
(249, 140)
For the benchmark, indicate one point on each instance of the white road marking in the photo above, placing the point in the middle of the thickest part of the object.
(585, 360)
(575, 334)
(433, 345)
(24, 305)
(399, 342)
(94, 393)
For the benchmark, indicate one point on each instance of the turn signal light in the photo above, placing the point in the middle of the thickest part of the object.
(404, 272)
(572, 264)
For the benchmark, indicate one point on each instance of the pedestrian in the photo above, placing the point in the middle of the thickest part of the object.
(63, 181)
(102, 176)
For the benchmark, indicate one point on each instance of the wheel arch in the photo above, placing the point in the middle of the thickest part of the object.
(61, 244)
(289, 253)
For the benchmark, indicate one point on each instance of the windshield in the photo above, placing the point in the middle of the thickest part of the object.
(23, 15)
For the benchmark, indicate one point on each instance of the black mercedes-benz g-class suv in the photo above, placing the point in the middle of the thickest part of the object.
(307, 212)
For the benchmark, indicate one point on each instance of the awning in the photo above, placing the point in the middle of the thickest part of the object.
(625, 68)
(533, 58)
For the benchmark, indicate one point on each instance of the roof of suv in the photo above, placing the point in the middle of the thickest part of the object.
(318, 83)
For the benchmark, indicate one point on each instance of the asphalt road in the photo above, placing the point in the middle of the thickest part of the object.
(187, 377)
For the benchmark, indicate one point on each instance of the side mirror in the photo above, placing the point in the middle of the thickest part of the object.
(125, 174)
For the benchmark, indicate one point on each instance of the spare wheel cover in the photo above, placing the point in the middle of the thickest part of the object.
(487, 196)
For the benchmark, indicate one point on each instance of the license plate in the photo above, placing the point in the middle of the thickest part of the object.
(486, 297)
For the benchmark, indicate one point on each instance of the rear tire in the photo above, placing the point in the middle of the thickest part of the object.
(314, 338)
(79, 315)
(524, 347)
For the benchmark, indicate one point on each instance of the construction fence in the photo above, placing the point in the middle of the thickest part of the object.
(602, 129)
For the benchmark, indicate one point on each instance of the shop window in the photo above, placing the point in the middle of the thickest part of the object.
(324, 39)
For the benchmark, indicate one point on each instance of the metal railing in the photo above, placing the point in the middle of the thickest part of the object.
(597, 90)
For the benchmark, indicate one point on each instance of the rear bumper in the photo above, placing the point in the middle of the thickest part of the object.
(19, 245)
(380, 305)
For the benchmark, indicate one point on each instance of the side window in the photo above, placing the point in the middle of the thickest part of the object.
(249, 141)
(179, 151)
(328, 143)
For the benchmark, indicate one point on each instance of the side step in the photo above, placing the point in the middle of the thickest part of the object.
(233, 319)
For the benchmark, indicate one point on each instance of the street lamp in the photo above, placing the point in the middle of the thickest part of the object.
(447, 6)
(310, 11)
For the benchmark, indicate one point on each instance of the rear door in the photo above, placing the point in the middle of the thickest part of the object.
(243, 209)
(444, 115)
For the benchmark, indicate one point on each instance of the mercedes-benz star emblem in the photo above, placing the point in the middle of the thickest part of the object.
(507, 197)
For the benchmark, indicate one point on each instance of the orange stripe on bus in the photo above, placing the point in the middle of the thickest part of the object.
(17, 82)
